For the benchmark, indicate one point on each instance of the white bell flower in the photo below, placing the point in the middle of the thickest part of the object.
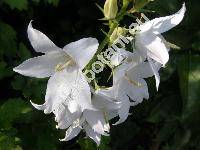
(129, 87)
(94, 123)
(68, 94)
(149, 41)
(63, 66)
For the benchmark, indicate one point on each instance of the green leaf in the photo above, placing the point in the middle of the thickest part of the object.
(53, 2)
(181, 138)
(167, 131)
(87, 143)
(105, 141)
(5, 71)
(7, 142)
(8, 44)
(18, 82)
(13, 109)
(169, 108)
(18, 4)
(46, 141)
(23, 52)
(189, 75)
(196, 45)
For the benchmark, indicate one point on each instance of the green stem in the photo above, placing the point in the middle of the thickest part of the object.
(113, 25)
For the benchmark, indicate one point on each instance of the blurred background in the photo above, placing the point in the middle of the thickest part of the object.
(169, 120)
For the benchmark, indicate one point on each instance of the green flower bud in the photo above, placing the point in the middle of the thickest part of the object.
(110, 9)
(117, 33)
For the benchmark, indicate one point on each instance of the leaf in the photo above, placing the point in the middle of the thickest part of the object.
(87, 143)
(139, 4)
(46, 141)
(189, 73)
(11, 110)
(8, 142)
(23, 52)
(167, 131)
(18, 4)
(30, 88)
(167, 108)
(5, 71)
(181, 138)
(53, 2)
(196, 45)
(18, 82)
(105, 141)
(8, 44)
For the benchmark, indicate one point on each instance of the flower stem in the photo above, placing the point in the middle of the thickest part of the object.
(113, 25)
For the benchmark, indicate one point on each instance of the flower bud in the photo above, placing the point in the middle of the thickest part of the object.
(117, 33)
(110, 9)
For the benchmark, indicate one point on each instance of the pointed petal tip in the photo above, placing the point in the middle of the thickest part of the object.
(117, 123)
(183, 6)
(39, 107)
(18, 70)
(62, 140)
(182, 10)
(30, 26)
(121, 120)
(15, 69)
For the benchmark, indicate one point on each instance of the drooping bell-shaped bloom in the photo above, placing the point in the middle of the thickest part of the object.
(63, 66)
(129, 87)
(94, 123)
(68, 94)
(149, 41)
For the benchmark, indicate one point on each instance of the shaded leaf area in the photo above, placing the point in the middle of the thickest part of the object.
(169, 120)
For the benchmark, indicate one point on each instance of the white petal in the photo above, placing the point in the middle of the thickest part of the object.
(82, 50)
(143, 70)
(39, 107)
(68, 85)
(105, 103)
(59, 88)
(136, 92)
(39, 41)
(71, 133)
(124, 110)
(119, 72)
(155, 71)
(96, 120)
(112, 114)
(73, 106)
(41, 66)
(65, 118)
(82, 93)
(108, 93)
(151, 45)
(92, 134)
(163, 24)
(119, 56)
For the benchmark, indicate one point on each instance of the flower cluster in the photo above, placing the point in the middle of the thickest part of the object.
(70, 97)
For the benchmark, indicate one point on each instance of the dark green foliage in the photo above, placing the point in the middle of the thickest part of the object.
(169, 120)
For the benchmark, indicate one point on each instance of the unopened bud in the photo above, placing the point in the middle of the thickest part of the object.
(110, 9)
(117, 33)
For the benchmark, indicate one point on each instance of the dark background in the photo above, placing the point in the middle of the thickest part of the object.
(169, 120)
